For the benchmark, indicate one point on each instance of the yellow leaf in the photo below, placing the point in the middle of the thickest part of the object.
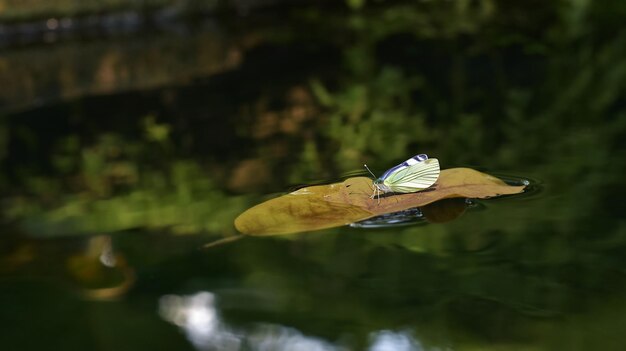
(326, 206)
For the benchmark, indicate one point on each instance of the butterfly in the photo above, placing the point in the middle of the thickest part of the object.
(415, 174)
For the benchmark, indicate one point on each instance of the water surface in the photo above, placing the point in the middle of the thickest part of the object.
(120, 168)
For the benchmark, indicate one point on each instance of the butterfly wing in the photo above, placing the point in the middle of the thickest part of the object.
(416, 177)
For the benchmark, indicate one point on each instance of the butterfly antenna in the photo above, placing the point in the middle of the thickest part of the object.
(368, 169)
(376, 190)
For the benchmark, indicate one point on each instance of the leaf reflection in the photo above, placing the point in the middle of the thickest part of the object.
(100, 273)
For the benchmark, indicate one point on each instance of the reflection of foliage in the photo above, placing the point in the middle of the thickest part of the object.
(74, 68)
(117, 184)
(375, 112)
(182, 199)
(366, 119)
(16, 10)
(534, 89)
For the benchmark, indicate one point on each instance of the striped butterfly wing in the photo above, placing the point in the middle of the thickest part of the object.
(416, 177)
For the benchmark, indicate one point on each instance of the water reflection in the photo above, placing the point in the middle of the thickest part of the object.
(269, 337)
(107, 256)
(401, 218)
(199, 318)
(387, 340)
(530, 89)
(441, 211)
(99, 272)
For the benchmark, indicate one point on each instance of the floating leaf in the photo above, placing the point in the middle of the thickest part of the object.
(326, 206)
(301, 210)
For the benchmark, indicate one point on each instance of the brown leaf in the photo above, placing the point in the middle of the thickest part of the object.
(302, 210)
(326, 206)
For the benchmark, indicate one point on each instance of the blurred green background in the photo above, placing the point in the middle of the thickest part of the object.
(132, 133)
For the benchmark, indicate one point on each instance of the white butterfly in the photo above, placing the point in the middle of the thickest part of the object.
(415, 174)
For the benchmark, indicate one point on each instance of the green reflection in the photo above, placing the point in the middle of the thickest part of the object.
(524, 88)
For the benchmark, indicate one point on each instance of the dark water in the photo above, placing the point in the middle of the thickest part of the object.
(123, 156)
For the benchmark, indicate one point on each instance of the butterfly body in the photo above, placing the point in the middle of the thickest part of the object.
(415, 174)
(381, 186)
